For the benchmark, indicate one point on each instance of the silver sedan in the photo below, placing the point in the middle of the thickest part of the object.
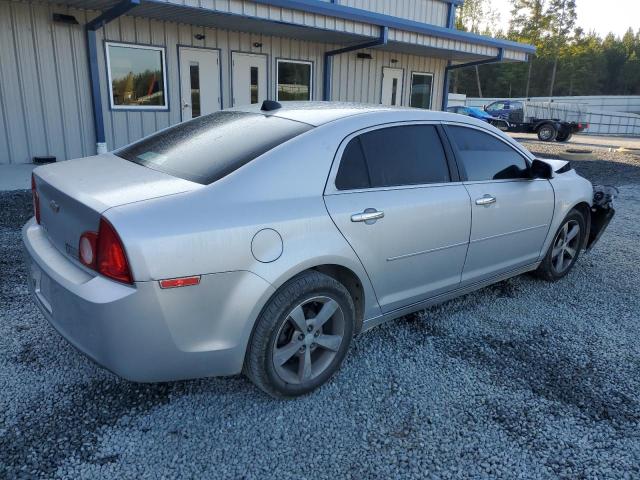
(261, 240)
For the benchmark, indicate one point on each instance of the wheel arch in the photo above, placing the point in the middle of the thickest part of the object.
(540, 123)
(585, 210)
(357, 285)
(352, 283)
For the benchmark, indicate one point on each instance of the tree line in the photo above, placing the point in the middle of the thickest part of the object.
(568, 61)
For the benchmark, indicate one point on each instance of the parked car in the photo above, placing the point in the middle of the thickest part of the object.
(538, 118)
(261, 239)
(480, 114)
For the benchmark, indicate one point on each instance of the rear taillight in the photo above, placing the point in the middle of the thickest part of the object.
(104, 252)
(36, 199)
(111, 260)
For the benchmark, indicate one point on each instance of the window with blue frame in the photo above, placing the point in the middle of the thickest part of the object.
(137, 76)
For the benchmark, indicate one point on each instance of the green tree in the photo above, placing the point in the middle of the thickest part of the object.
(562, 19)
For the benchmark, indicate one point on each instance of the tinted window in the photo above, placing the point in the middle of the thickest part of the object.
(207, 148)
(485, 157)
(353, 173)
(393, 156)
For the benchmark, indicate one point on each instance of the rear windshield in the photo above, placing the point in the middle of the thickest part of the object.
(208, 148)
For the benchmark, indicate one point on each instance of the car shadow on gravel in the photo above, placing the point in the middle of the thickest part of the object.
(66, 423)
(548, 370)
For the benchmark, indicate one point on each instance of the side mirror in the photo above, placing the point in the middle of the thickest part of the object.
(540, 169)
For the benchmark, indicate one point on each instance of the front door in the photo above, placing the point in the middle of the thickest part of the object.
(199, 82)
(393, 200)
(249, 78)
(392, 86)
(511, 212)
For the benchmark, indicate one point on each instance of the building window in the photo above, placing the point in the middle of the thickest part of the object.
(137, 77)
(294, 80)
(421, 85)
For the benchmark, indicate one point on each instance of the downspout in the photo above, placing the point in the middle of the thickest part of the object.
(94, 71)
(449, 67)
(451, 16)
(326, 87)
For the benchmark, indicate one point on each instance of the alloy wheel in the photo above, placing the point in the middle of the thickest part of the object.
(308, 340)
(565, 246)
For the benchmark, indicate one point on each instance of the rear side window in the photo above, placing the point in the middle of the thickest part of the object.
(394, 156)
(484, 157)
(353, 172)
(208, 148)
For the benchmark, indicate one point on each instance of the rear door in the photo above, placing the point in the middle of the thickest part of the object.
(511, 212)
(398, 203)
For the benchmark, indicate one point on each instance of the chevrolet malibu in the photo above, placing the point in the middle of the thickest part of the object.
(262, 239)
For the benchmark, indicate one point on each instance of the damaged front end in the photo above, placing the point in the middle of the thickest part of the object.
(602, 212)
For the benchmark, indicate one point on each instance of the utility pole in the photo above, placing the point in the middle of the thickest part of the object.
(478, 80)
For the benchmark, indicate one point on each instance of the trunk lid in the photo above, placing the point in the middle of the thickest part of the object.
(74, 193)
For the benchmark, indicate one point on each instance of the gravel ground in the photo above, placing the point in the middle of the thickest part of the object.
(610, 168)
(524, 379)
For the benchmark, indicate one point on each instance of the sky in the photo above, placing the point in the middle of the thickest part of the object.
(603, 16)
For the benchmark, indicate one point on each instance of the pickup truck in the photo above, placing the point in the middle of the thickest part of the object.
(541, 118)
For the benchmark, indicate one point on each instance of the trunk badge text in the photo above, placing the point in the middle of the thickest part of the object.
(54, 206)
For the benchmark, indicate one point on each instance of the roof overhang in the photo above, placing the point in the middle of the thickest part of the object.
(406, 36)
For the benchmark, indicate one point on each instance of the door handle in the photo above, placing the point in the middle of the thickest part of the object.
(185, 105)
(486, 200)
(369, 216)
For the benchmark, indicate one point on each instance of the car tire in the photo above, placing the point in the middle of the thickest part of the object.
(564, 136)
(547, 132)
(285, 361)
(562, 253)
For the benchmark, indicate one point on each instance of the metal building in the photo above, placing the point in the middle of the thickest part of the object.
(81, 76)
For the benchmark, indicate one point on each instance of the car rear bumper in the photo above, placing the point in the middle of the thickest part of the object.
(142, 332)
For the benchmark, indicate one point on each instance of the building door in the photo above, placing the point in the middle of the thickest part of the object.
(199, 81)
(392, 86)
(249, 78)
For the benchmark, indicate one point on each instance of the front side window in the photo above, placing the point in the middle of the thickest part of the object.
(294, 80)
(210, 147)
(137, 76)
(484, 157)
(494, 107)
(421, 84)
(394, 156)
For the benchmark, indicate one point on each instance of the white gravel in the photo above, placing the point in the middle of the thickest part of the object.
(524, 379)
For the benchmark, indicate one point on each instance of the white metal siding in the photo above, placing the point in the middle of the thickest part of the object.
(434, 12)
(45, 96)
(361, 80)
(279, 14)
(45, 101)
(122, 127)
(441, 43)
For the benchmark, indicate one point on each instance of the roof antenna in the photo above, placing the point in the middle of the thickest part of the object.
(269, 105)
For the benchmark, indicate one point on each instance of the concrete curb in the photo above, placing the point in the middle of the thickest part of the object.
(16, 176)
